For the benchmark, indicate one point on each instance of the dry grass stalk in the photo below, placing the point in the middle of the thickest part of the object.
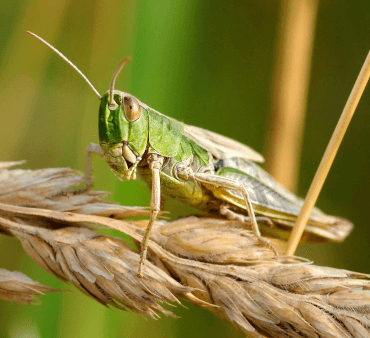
(50, 189)
(289, 94)
(329, 155)
(214, 263)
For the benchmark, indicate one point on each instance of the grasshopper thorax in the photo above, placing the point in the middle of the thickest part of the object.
(123, 130)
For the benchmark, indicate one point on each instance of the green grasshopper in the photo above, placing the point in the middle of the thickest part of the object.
(195, 166)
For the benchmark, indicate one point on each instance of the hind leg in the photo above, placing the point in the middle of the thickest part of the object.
(225, 211)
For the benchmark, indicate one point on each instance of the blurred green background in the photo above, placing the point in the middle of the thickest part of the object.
(207, 63)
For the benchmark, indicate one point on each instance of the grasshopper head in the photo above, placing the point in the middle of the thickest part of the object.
(124, 122)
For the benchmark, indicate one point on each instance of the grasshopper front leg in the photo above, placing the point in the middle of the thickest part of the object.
(155, 162)
(91, 149)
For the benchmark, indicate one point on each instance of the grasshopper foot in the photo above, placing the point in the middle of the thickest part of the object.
(83, 190)
(143, 253)
(267, 243)
(141, 265)
(224, 210)
(139, 273)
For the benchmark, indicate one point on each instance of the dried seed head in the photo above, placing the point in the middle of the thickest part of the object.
(104, 268)
(51, 189)
(17, 287)
(213, 263)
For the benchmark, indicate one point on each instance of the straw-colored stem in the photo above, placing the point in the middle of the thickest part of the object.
(290, 86)
(329, 156)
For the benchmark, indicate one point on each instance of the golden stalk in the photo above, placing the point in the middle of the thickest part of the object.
(290, 87)
(329, 156)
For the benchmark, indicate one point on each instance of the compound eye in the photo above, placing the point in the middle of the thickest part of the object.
(132, 108)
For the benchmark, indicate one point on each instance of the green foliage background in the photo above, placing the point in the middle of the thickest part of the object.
(208, 63)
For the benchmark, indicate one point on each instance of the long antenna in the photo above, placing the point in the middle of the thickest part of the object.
(66, 60)
(112, 103)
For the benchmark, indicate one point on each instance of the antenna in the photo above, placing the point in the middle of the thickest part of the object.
(66, 60)
(112, 103)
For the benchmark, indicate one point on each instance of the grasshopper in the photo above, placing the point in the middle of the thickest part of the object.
(195, 166)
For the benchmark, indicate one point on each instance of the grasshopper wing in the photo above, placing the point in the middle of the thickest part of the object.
(221, 147)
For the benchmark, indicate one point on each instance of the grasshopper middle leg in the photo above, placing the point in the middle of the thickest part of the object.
(227, 183)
